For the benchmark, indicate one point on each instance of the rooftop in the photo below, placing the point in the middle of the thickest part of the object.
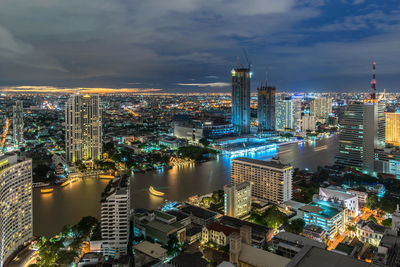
(373, 226)
(151, 249)
(218, 227)
(271, 164)
(199, 212)
(298, 239)
(320, 209)
(313, 256)
(187, 259)
(261, 258)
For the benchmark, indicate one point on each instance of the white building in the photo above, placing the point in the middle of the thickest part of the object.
(18, 124)
(15, 203)
(288, 114)
(335, 195)
(270, 180)
(83, 128)
(321, 108)
(308, 123)
(396, 220)
(115, 208)
(237, 199)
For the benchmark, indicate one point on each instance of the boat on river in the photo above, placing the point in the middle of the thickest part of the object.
(155, 192)
(46, 190)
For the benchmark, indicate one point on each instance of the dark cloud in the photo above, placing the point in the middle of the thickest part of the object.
(160, 44)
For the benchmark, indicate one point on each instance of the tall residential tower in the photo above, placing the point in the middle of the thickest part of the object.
(83, 128)
(18, 123)
(266, 108)
(241, 100)
(15, 203)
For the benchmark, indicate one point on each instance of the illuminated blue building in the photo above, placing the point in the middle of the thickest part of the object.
(328, 215)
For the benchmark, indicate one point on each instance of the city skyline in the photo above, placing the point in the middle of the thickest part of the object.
(191, 46)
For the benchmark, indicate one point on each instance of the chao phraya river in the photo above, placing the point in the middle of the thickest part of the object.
(68, 204)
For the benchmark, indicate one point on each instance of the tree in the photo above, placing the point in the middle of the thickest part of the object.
(296, 226)
(387, 205)
(387, 222)
(372, 202)
(372, 218)
(273, 217)
(204, 142)
(173, 246)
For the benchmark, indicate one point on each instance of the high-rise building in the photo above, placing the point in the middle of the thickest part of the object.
(288, 114)
(266, 108)
(237, 199)
(321, 108)
(362, 130)
(83, 128)
(115, 208)
(241, 100)
(15, 203)
(270, 180)
(308, 123)
(18, 123)
(392, 128)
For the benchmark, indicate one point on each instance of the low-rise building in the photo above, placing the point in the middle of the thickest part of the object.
(330, 216)
(199, 215)
(217, 234)
(288, 244)
(242, 254)
(362, 196)
(370, 232)
(314, 232)
(337, 195)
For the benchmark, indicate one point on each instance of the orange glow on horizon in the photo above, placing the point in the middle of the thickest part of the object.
(51, 89)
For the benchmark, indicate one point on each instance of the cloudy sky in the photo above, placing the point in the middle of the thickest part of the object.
(191, 45)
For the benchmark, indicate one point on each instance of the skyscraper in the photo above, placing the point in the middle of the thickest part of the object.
(241, 100)
(115, 208)
(15, 203)
(270, 180)
(83, 128)
(18, 123)
(392, 128)
(266, 108)
(288, 114)
(362, 130)
(321, 108)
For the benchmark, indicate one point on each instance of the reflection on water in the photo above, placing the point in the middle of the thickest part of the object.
(67, 205)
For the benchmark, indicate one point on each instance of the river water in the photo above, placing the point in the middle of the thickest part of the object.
(68, 204)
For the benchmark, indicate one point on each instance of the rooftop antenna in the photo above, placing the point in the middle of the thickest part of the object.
(373, 82)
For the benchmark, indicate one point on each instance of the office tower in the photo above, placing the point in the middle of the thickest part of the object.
(321, 108)
(266, 108)
(362, 131)
(15, 203)
(83, 128)
(392, 128)
(288, 114)
(270, 180)
(308, 123)
(241, 100)
(18, 124)
(115, 208)
(237, 199)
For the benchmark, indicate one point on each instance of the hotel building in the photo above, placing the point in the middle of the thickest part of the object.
(270, 180)
(350, 201)
(392, 128)
(237, 199)
(15, 203)
(83, 128)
